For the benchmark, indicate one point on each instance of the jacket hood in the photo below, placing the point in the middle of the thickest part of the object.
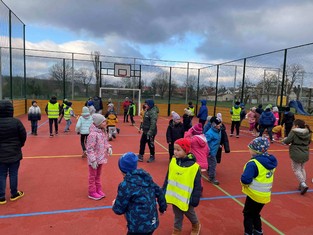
(203, 102)
(139, 177)
(268, 161)
(150, 103)
(6, 108)
(189, 160)
(302, 133)
(53, 100)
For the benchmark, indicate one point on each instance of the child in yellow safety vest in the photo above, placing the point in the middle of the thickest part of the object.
(68, 113)
(183, 186)
(111, 122)
(257, 181)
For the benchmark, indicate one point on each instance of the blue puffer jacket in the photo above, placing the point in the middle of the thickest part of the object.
(213, 137)
(267, 118)
(203, 112)
(136, 199)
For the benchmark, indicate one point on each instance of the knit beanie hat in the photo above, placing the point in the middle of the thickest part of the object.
(175, 116)
(259, 145)
(98, 119)
(128, 162)
(219, 116)
(197, 129)
(34, 101)
(215, 121)
(184, 143)
(89, 103)
(85, 111)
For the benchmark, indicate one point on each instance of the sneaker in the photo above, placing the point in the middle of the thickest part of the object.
(95, 196)
(118, 130)
(114, 136)
(51, 135)
(17, 196)
(237, 136)
(151, 159)
(84, 155)
(140, 158)
(56, 133)
(3, 201)
(102, 194)
(214, 181)
(231, 135)
(304, 188)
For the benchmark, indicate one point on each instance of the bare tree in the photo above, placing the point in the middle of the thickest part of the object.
(56, 73)
(293, 74)
(85, 77)
(160, 84)
(191, 84)
(95, 57)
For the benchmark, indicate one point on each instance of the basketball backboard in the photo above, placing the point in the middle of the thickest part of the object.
(122, 70)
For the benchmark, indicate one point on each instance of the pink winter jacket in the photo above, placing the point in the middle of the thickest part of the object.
(199, 148)
(251, 117)
(276, 114)
(97, 145)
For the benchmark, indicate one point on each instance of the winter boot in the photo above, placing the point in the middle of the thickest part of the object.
(195, 229)
(176, 231)
(95, 196)
(151, 159)
(140, 158)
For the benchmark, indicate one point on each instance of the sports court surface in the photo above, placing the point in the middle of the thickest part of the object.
(54, 178)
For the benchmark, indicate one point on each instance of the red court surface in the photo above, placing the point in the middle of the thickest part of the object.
(54, 178)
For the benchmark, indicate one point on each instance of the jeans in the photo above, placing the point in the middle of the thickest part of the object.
(68, 123)
(12, 170)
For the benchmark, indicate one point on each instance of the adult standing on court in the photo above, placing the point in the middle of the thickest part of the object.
(126, 104)
(53, 110)
(12, 139)
(149, 130)
(203, 113)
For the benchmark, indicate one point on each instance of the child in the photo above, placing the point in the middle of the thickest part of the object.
(68, 113)
(142, 112)
(34, 115)
(175, 131)
(287, 120)
(12, 139)
(199, 146)
(299, 139)
(191, 108)
(224, 140)
(111, 122)
(257, 180)
(251, 116)
(277, 131)
(82, 127)
(276, 114)
(136, 197)
(183, 186)
(187, 119)
(131, 111)
(98, 149)
(213, 138)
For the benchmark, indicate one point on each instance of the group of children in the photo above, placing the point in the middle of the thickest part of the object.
(190, 152)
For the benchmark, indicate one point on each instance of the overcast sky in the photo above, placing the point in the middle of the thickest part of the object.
(185, 30)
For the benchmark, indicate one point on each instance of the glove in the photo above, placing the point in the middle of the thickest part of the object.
(110, 151)
(94, 165)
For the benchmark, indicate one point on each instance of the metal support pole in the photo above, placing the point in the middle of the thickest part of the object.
(169, 93)
(216, 89)
(64, 79)
(187, 84)
(243, 79)
(72, 76)
(1, 94)
(10, 54)
(283, 80)
(198, 88)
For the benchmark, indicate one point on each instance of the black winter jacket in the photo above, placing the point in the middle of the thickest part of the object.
(12, 134)
(174, 132)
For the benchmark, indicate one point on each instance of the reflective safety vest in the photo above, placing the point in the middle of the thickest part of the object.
(260, 188)
(180, 184)
(192, 110)
(67, 113)
(53, 110)
(235, 114)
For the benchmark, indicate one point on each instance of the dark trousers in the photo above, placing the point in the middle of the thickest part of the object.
(202, 122)
(34, 126)
(132, 118)
(126, 116)
(269, 131)
(56, 126)
(12, 170)
(171, 150)
(83, 139)
(143, 141)
(251, 214)
(235, 124)
(288, 127)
